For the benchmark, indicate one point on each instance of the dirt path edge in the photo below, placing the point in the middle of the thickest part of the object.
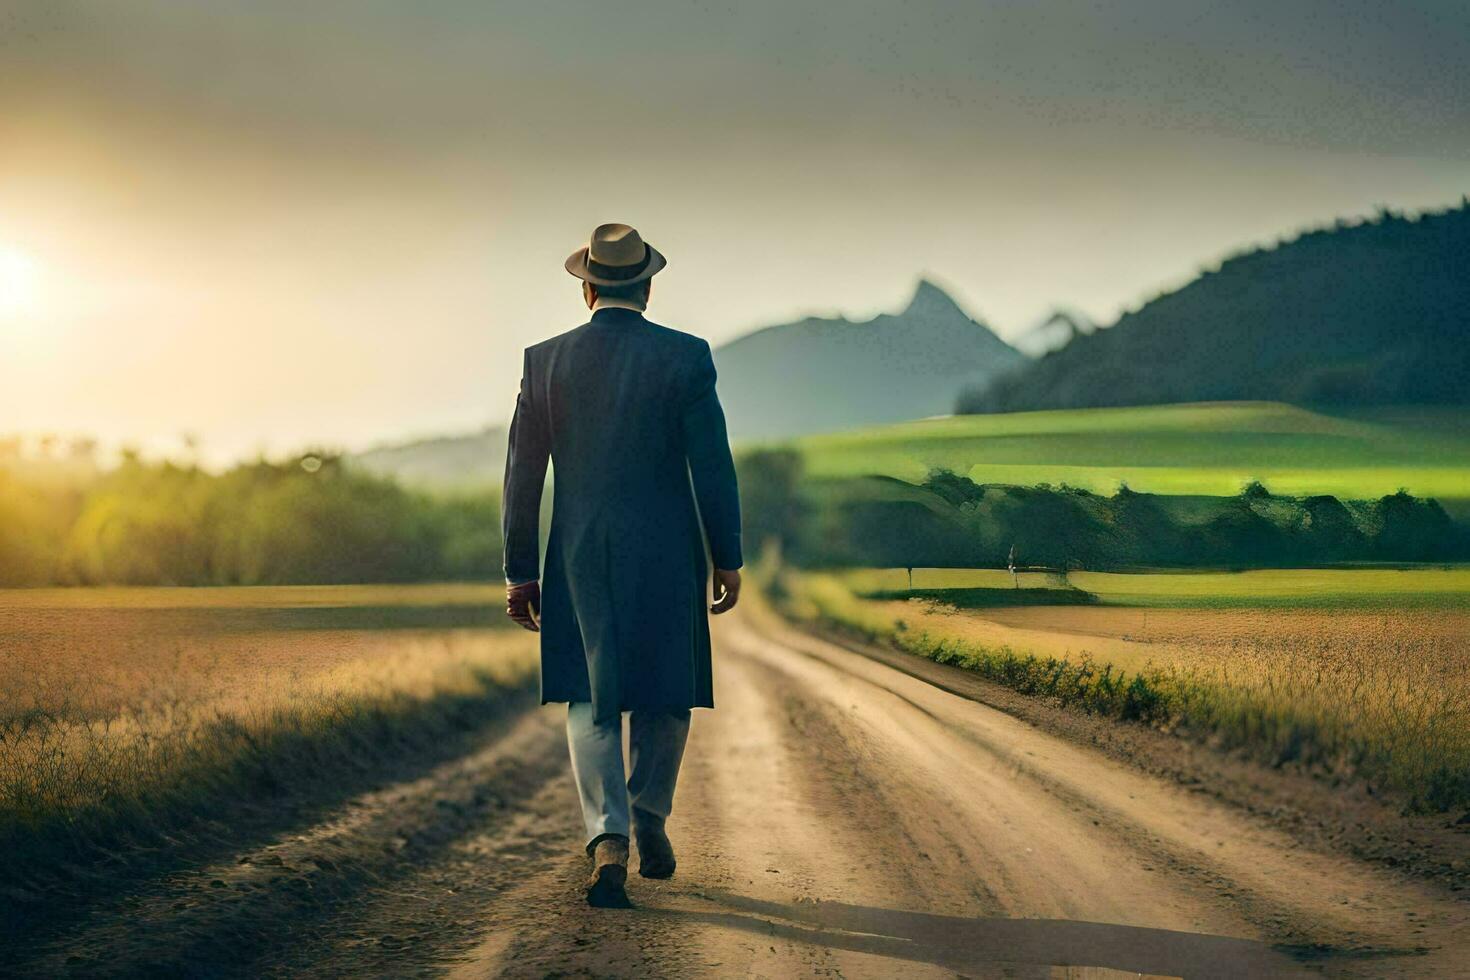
(1330, 818)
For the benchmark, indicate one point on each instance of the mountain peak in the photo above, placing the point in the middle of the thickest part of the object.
(1053, 332)
(931, 300)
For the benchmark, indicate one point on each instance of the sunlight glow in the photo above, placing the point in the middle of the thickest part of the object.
(19, 280)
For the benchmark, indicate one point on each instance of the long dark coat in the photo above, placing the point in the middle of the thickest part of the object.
(627, 412)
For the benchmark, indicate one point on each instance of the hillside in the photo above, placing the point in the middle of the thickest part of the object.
(1357, 314)
(820, 375)
(445, 462)
(1208, 449)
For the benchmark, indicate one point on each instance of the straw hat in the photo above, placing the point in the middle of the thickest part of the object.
(616, 256)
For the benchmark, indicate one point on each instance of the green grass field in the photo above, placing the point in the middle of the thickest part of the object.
(1178, 449)
(1311, 588)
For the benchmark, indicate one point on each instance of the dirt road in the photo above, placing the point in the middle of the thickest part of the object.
(836, 817)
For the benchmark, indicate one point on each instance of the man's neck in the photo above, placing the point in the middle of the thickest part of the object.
(609, 303)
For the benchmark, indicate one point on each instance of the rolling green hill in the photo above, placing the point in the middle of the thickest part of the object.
(1175, 449)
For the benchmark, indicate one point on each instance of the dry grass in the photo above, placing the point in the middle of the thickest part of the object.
(1378, 694)
(129, 713)
(108, 654)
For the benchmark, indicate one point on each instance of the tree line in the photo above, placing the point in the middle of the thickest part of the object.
(948, 520)
(315, 519)
(309, 520)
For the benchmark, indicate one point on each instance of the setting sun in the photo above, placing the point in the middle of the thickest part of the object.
(18, 282)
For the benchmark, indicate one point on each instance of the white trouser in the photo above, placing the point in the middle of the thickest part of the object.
(656, 740)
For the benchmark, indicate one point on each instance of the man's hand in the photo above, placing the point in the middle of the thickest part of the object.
(523, 604)
(727, 590)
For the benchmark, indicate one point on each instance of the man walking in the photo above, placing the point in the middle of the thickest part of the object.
(644, 479)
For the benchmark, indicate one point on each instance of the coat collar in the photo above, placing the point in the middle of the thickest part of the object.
(615, 314)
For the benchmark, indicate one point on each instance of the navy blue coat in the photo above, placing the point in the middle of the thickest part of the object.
(626, 411)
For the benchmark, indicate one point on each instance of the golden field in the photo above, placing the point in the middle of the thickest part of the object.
(135, 710)
(1376, 690)
(97, 654)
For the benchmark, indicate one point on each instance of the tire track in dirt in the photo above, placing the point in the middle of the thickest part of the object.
(840, 817)
(826, 827)
(229, 917)
(439, 911)
(1058, 830)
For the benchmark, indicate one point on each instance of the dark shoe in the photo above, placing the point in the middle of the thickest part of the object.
(609, 874)
(655, 853)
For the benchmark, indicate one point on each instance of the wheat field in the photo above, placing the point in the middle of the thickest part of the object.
(131, 712)
(1376, 691)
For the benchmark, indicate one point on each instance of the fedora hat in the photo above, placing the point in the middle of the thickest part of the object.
(616, 256)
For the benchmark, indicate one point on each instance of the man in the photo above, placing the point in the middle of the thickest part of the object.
(627, 410)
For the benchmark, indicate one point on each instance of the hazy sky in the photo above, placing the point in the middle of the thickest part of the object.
(276, 223)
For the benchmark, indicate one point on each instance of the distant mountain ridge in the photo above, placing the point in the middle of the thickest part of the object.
(823, 374)
(814, 375)
(1376, 312)
(442, 462)
(1058, 329)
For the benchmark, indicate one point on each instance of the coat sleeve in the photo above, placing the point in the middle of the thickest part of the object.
(707, 448)
(525, 476)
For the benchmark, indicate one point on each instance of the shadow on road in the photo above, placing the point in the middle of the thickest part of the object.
(956, 942)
